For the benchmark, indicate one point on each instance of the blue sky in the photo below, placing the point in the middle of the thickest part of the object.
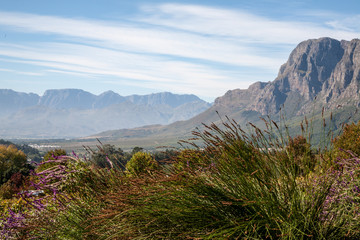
(140, 47)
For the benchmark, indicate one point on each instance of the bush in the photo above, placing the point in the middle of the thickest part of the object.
(14, 185)
(189, 159)
(108, 157)
(6, 191)
(50, 159)
(298, 156)
(348, 140)
(12, 161)
(141, 163)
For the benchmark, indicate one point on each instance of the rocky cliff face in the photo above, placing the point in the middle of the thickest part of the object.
(323, 70)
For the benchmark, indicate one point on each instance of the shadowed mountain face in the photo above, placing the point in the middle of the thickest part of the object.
(319, 73)
(75, 113)
(322, 71)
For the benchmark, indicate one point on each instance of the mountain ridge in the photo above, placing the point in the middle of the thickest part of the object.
(316, 68)
(75, 112)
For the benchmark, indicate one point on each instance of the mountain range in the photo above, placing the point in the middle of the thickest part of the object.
(67, 113)
(319, 74)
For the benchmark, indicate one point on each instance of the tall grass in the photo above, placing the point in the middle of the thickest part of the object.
(225, 184)
(237, 185)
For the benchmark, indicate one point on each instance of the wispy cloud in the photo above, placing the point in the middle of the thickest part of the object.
(175, 47)
(21, 72)
(239, 25)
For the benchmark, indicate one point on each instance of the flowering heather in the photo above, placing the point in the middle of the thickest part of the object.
(47, 194)
(10, 224)
(344, 194)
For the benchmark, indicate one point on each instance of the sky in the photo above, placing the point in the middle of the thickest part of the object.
(140, 47)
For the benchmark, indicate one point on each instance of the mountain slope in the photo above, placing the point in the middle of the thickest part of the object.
(319, 73)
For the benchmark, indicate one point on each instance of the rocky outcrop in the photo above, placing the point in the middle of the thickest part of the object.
(323, 70)
(343, 84)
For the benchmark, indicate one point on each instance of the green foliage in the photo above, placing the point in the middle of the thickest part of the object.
(165, 157)
(107, 156)
(136, 149)
(12, 161)
(141, 163)
(298, 155)
(6, 191)
(30, 152)
(349, 140)
(51, 155)
(189, 159)
(233, 185)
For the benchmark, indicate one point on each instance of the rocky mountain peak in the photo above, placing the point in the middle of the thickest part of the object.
(325, 69)
(67, 98)
(310, 65)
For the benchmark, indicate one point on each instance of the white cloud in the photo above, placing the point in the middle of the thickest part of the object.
(151, 71)
(174, 47)
(239, 25)
(136, 38)
(6, 70)
(20, 72)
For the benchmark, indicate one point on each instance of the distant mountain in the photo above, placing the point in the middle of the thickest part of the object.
(75, 112)
(107, 98)
(11, 101)
(67, 99)
(319, 73)
(165, 98)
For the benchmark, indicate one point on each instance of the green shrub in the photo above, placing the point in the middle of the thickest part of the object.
(12, 161)
(298, 155)
(50, 159)
(6, 191)
(141, 163)
(348, 140)
(189, 159)
(108, 156)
